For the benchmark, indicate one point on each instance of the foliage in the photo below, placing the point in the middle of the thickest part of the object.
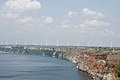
(117, 70)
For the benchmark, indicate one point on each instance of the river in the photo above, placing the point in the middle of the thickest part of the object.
(35, 67)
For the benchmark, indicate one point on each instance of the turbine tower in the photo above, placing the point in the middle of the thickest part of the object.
(111, 45)
(88, 44)
(46, 42)
(68, 43)
(100, 44)
(57, 44)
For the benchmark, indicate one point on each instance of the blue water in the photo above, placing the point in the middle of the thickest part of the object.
(35, 67)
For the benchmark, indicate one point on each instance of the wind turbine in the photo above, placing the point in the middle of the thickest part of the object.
(111, 46)
(57, 44)
(46, 42)
(88, 44)
(68, 43)
(100, 44)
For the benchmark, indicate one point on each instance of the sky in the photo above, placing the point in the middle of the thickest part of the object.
(60, 22)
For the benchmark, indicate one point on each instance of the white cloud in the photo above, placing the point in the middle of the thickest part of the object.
(92, 14)
(25, 19)
(108, 32)
(14, 9)
(67, 26)
(10, 15)
(72, 13)
(66, 21)
(47, 20)
(22, 5)
(93, 24)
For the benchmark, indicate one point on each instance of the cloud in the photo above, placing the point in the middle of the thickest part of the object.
(67, 20)
(47, 20)
(72, 13)
(108, 32)
(67, 26)
(92, 14)
(25, 19)
(94, 21)
(14, 10)
(10, 15)
(93, 24)
(22, 5)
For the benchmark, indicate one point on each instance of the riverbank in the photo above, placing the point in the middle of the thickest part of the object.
(36, 67)
(100, 65)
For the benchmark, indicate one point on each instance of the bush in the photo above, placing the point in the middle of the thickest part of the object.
(117, 70)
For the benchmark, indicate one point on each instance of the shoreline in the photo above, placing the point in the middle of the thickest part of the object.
(90, 76)
(84, 72)
(97, 62)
